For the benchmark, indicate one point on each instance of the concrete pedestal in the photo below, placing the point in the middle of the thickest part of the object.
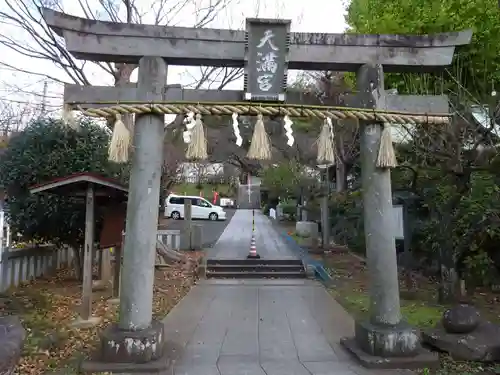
(192, 239)
(126, 351)
(132, 346)
(400, 340)
(422, 358)
(307, 229)
(197, 237)
(12, 335)
(389, 347)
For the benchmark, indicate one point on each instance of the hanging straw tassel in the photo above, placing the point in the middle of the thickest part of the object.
(120, 142)
(197, 147)
(260, 147)
(69, 118)
(386, 157)
(326, 144)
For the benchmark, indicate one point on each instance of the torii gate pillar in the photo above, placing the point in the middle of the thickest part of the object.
(384, 340)
(137, 338)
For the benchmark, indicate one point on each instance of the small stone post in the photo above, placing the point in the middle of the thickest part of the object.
(137, 338)
(118, 254)
(188, 217)
(384, 340)
(105, 266)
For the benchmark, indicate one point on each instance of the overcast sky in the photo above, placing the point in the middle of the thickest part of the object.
(311, 16)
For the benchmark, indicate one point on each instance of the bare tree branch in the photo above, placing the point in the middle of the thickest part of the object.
(15, 116)
(30, 36)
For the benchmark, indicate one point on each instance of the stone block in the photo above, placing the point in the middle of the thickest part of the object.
(422, 359)
(163, 365)
(308, 242)
(401, 340)
(461, 319)
(389, 347)
(119, 346)
(197, 237)
(307, 229)
(193, 241)
(482, 344)
(310, 271)
(12, 336)
(185, 240)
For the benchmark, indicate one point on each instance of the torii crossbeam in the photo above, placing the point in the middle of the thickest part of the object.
(266, 50)
(108, 41)
(94, 97)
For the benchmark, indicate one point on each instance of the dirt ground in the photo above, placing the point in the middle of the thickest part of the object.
(351, 290)
(47, 306)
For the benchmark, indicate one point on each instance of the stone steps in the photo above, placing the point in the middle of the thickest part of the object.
(255, 269)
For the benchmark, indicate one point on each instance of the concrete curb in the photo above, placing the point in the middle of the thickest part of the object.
(318, 266)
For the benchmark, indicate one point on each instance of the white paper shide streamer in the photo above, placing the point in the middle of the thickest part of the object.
(326, 144)
(190, 122)
(289, 131)
(236, 130)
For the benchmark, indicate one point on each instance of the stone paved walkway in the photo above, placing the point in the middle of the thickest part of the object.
(234, 243)
(259, 327)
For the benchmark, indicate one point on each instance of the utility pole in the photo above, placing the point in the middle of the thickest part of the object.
(43, 110)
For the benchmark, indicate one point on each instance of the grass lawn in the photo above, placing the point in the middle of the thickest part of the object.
(207, 190)
(351, 280)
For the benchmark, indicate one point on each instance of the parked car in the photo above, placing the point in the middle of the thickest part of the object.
(200, 208)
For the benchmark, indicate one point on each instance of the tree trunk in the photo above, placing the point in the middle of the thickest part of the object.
(78, 263)
(449, 279)
(340, 167)
(341, 176)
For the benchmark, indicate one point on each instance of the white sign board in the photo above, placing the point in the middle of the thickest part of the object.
(397, 214)
(226, 202)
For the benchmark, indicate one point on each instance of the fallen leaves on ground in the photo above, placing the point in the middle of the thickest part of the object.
(47, 306)
(351, 290)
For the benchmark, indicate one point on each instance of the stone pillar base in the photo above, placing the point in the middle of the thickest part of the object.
(389, 347)
(125, 351)
(132, 346)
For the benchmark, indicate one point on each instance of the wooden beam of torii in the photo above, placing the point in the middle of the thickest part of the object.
(86, 97)
(108, 41)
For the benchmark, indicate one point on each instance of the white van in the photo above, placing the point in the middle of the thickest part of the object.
(200, 208)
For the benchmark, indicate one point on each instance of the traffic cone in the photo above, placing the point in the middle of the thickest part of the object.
(253, 249)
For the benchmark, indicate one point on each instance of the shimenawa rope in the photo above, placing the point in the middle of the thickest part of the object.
(335, 113)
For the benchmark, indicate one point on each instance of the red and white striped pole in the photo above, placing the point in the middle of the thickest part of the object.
(249, 189)
(253, 248)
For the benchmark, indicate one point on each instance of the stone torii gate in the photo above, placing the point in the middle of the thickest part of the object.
(267, 49)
